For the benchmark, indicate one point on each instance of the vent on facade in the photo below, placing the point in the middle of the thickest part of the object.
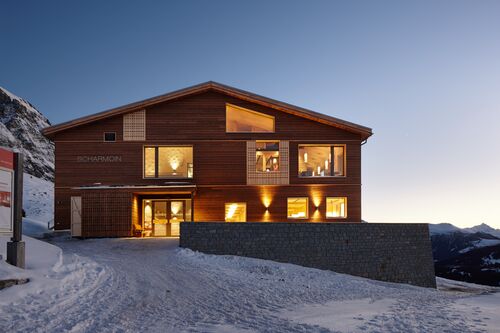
(134, 126)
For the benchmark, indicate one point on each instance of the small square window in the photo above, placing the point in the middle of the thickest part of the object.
(297, 208)
(109, 136)
(336, 208)
(236, 212)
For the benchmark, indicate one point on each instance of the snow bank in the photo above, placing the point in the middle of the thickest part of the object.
(38, 203)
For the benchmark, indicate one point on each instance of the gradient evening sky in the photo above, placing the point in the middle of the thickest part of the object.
(425, 75)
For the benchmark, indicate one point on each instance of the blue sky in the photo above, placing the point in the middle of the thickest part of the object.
(425, 75)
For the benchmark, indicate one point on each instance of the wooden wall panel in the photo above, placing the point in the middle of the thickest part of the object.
(202, 117)
(209, 202)
(219, 158)
(106, 214)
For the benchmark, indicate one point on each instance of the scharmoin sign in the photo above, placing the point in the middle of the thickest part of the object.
(99, 159)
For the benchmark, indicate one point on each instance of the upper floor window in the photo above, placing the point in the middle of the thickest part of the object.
(321, 160)
(239, 119)
(109, 136)
(267, 156)
(168, 162)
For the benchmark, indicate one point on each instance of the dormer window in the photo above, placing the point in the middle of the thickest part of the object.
(109, 136)
(241, 120)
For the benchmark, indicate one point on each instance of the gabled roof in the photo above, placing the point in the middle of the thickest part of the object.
(365, 132)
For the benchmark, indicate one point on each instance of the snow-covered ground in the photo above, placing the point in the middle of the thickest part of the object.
(151, 285)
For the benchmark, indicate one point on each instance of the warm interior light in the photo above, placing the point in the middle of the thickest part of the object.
(305, 157)
(231, 210)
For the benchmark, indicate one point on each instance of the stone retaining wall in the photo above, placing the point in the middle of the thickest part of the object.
(395, 252)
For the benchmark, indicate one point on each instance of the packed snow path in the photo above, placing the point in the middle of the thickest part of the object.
(150, 285)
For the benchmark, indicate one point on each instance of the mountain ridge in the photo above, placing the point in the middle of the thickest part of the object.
(20, 129)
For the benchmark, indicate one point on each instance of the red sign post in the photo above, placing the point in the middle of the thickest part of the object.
(11, 204)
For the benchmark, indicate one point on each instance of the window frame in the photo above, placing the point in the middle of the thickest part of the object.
(307, 209)
(156, 176)
(277, 151)
(104, 136)
(238, 203)
(250, 111)
(331, 145)
(336, 217)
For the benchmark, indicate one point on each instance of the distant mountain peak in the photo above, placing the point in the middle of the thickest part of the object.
(20, 129)
(483, 227)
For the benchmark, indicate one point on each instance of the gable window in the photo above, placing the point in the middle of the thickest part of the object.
(168, 162)
(134, 126)
(267, 156)
(109, 136)
(336, 207)
(236, 212)
(297, 208)
(243, 120)
(321, 160)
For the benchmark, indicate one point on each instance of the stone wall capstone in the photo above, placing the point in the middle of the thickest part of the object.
(393, 252)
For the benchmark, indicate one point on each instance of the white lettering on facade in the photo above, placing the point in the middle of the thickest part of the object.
(99, 159)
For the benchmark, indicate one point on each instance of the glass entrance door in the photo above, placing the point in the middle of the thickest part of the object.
(176, 216)
(163, 217)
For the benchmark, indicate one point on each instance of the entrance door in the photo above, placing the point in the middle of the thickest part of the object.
(176, 217)
(162, 217)
(76, 216)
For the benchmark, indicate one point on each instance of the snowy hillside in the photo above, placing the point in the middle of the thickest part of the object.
(20, 129)
(471, 254)
(38, 204)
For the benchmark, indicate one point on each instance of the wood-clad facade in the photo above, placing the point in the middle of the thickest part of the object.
(111, 179)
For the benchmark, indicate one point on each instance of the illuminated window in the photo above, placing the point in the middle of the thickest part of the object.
(168, 162)
(321, 160)
(267, 156)
(149, 162)
(298, 208)
(236, 212)
(336, 207)
(243, 120)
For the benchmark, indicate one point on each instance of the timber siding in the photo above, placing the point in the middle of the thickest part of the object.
(219, 159)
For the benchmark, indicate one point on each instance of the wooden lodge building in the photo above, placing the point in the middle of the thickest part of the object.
(205, 153)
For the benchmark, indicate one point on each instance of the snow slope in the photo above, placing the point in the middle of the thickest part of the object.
(151, 285)
(38, 204)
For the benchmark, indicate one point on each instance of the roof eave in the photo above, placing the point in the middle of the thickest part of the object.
(364, 132)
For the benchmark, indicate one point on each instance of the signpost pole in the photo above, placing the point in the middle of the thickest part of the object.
(16, 248)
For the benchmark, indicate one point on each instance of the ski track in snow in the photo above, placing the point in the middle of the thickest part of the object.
(150, 285)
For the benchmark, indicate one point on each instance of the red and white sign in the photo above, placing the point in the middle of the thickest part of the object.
(6, 191)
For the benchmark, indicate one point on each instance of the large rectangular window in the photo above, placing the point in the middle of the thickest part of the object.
(236, 212)
(267, 156)
(297, 208)
(239, 119)
(321, 160)
(168, 162)
(336, 207)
